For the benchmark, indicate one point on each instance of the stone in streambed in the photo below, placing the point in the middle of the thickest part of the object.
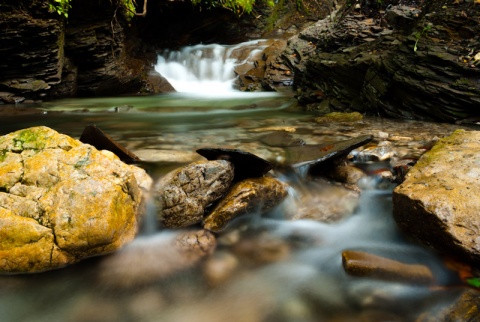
(61, 201)
(247, 165)
(364, 264)
(183, 195)
(249, 195)
(438, 203)
(313, 155)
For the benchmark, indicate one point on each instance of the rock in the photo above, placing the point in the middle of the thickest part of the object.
(381, 152)
(343, 65)
(151, 258)
(347, 174)
(183, 195)
(94, 136)
(466, 308)
(246, 165)
(249, 195)
(364, 264)
(323, 202)
(438, 201)
(61, 201)
(316, 156)
(338, 117)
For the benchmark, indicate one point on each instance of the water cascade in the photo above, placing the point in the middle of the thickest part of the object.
(206, 69)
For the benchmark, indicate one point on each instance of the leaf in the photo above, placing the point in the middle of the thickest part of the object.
(474, 281)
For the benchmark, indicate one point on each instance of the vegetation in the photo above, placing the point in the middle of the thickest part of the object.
(60, 6)
(238, 6)
(419, 34)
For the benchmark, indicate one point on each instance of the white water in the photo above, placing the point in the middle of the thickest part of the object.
(207, 70)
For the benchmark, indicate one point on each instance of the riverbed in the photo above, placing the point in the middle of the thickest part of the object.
(279, 269)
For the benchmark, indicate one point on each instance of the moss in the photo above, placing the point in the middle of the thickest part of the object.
(3, 155)
(340, 117)
(28, 139)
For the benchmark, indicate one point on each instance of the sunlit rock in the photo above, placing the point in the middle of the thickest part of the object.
(438, 202)
(249, 195)
(184, 194)
(61, 201)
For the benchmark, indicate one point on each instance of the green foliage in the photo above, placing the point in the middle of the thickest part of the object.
(419, 34)
(239, 7)
(60, 6)
(128, 8)
(474, 281)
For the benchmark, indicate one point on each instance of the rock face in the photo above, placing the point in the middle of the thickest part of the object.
(391, 64)
(249, 195)
(183, 195)
(438, 202)
(44, 56)
(61, 201)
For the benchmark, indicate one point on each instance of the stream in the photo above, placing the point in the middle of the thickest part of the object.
(280, 269)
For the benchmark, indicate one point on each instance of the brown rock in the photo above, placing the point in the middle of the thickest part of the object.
(438, 201)
(183, 194)
(61, 201)
(249, 195)
(364, 264)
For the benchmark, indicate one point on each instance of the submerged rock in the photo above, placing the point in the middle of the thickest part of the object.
(61, 201)
(152, 258)
(184, 194)
(250, 195)
(438, 202)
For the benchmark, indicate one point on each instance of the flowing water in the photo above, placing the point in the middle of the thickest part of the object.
(265, 267)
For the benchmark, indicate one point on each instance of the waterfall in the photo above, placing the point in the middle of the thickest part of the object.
(206, 69)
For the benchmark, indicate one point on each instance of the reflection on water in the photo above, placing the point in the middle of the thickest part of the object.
(279, 270)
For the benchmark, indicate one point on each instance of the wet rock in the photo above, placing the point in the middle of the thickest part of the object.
(347, 174)
(364, 264)
(183, 195)
(151, 258)
(246, 165)
(249, 195)
(438, 201)
(466, 308)
(94, 136)
(316, 156)
(61, 201)
(381, 152)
